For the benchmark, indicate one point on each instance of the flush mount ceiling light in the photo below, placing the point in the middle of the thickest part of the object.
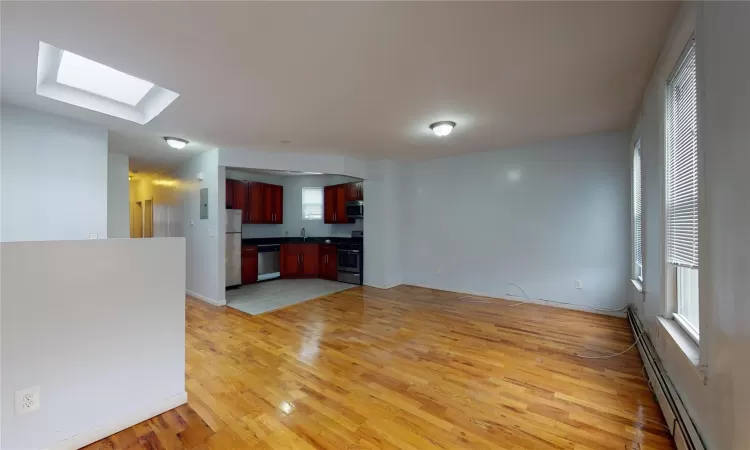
(443, 128)
(74, 79)
(177, 143)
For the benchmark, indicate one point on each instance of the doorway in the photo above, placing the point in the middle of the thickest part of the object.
(148, 219)
(137, 221)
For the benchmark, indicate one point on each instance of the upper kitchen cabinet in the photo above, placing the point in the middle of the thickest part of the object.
(236, 197)
(353, 192)
(273, 203)
(229, 194)
(334, 204)
(255, 196)
(265, 203)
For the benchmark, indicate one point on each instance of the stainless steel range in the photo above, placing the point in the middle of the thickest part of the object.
(349, 260)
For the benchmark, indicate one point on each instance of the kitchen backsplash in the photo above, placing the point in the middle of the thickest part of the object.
(312, 228)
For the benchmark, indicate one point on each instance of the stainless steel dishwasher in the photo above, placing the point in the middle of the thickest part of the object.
(269, 264)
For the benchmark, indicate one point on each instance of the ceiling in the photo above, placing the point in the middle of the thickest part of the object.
(358, 78)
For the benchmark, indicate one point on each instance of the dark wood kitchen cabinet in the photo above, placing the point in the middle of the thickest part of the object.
(265, 203)
(236, 197)
(249, 264)
(299, 260)
(327, 262)
(273, 203)
(310, 260)
(290, 260)
(229, 193)
(255, 200)
(354, 192)
(334, 204)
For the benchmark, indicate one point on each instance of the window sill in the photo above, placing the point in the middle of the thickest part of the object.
(638, 285)
(684, 342)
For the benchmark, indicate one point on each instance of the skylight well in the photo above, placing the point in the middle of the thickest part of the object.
(74, 79)
(83, 73)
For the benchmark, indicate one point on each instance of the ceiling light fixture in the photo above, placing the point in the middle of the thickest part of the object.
(176, 142)
(443, 128)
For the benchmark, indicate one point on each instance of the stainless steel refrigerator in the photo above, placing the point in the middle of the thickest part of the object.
(233, 258)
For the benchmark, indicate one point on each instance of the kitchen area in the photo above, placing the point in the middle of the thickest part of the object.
(291, 237)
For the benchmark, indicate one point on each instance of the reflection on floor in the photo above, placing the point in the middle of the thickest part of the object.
(268, 296)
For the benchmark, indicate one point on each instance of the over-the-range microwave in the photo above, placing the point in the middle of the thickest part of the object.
(355, 209)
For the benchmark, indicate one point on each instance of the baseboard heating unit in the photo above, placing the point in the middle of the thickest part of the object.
(683, 430)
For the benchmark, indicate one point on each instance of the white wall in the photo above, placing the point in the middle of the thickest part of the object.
(540, 216)
(384, 222)
(54, 177)
(205, 237)
(721, 407)
(105, 351)
(293, 222)
(118, 213)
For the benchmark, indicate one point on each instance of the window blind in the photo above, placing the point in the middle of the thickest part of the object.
(637, 210)
(312, 203)
(682, 162)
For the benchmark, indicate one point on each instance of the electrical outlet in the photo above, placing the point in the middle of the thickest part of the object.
(437, 271)
(27, 400)
(578, 284)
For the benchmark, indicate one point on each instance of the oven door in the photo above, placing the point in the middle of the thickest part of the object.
(355, 210)
(349, 261)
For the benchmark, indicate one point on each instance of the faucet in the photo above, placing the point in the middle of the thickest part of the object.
(303, 235)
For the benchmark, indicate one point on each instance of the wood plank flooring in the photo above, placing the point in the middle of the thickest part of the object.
(405, 368)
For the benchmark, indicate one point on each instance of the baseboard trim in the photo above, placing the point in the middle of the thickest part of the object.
(514, 298)
(100, 432)
(208, 300)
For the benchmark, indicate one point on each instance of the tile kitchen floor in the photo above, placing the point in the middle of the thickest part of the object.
(271, 295)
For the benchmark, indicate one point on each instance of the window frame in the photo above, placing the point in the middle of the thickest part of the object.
(637, 269)
(672, 301)
(303, 204)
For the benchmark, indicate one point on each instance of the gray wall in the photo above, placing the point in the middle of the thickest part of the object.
(103, 348)
(54, 177)
(540, 216)
(118, 196)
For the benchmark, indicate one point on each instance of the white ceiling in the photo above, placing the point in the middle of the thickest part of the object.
(358, 78)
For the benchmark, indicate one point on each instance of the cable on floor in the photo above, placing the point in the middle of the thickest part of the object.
(614, 354)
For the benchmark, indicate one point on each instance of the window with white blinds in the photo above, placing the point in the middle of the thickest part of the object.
(682, 162)
(682, 189)
(312, 203)
(637, 213)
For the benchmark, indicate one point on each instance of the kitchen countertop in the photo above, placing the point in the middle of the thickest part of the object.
(299, 240)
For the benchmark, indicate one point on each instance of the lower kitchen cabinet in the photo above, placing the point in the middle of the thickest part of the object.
(327, 262)
(310, 260)
(299, 260)
(290, 260)
(249, 264)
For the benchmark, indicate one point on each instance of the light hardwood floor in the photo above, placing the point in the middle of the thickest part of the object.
(405, 368)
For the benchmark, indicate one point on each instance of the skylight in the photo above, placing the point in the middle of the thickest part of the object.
(71, 78)
(82, 73)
